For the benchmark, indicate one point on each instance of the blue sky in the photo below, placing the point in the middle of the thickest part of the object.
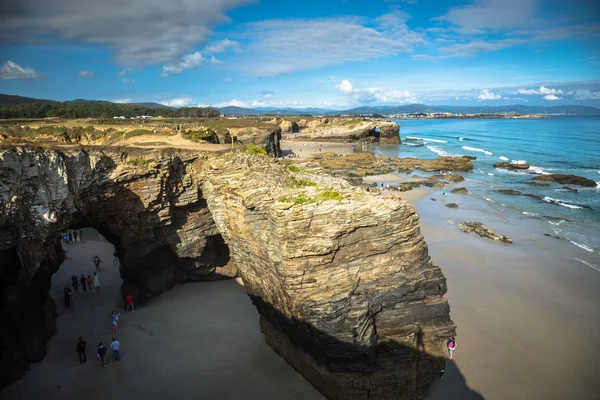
(302, 53)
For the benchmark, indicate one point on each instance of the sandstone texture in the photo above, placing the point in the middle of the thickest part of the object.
(511, 166)
(479, 229)
(567, 179)
(266, 138)
(343, 130)
(342, 280)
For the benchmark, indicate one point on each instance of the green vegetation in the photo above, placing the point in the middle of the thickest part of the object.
(98, 110)
(254, 149)
(202, 135)
(299, 200)
(299, 182)
(138, 161)
(296, 169)
(330, 194)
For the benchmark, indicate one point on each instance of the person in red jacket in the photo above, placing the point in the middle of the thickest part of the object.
(129, 302)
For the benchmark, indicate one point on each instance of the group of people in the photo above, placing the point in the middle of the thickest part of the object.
(73, 236)
(115, 346)
(91, 283)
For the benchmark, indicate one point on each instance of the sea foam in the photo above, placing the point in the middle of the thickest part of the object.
(437, 150)
(582, 246)
(489, 153)
(504, 158)
(561, 203)
(585, 262)
(427, 139)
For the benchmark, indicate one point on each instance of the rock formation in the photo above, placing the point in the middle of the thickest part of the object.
(460, 190)
(267, 138)
(479, 229)
(452, 205)
(343, 282)
(509, 165)
(567, 180)
(344, 130)
(510, 192)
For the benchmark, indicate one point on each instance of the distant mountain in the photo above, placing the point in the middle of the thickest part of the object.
(233, 110)
(10, 100)
(84, 101)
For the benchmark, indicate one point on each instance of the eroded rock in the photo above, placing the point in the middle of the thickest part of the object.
(510, 192)
(479, 229)
(567, 179)
(452, 205)
(512, 166)
(460, 190)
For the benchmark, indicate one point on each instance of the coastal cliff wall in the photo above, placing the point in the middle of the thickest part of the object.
(343, 130)
(346, 291)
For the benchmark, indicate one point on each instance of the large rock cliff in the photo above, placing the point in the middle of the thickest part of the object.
(343, 130)
(346, 291)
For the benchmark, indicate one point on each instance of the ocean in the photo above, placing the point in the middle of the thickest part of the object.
(565, 145)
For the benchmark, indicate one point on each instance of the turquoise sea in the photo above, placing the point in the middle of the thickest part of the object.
(565, 145)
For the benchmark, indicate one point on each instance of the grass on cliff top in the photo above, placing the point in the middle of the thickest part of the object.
(299, 182)
(254, 149)
(138, 161)
(330, 194)
(296, 169)
(298, 200)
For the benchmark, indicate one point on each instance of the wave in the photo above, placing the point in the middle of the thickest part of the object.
(530, 214)
(490, 174)
(426, 139)
(461, 139)
(538, 170)
(489, 153)
(488, 199)
(438, 151)
(561, 203)
(507, 171)
(585, 262)
(504, 158)
(518, 162)
(582, 246)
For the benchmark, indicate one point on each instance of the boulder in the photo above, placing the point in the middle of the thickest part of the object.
(460, 190)
(512, 166)
(511, 192)
(452, 205)
(536, 184)
(479, 229)
(567, 180)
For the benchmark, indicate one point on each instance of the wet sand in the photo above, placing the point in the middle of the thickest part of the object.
(197, 341)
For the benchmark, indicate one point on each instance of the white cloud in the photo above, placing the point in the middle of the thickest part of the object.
(542, 90)
(484, 15)
(487, 95)
(345, 86)
(86, 74)
(552, 97)
(142, 32)
(585, 94)
(332, 79)
(213, 60)
(178, 102)
(375, 94)
(222, 46)
(122, 101)
(189, 61)
(124, 71)
(12, 70)
(301, 44)
(232, 103)
(128, 80)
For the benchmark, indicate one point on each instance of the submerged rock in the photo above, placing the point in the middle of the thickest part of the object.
(536, 184)
(511, 192)
(460, 190)
(452, 205)
(479, 229)
(567, 179)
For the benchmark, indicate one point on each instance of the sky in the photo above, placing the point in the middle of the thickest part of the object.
(333, 54)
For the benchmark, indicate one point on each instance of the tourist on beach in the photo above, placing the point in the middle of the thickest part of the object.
(90, 282)
(444, 193)
(75, 235)
(75, 282)
(451, 347)
(83, 283)
(115, 257)
(70, 235)
(67, 296)
(102, 353)
(97, 262)
(81, 350)
(114, 346)
(81, 236)
(114, 316)
(129, 302)
(96, 282)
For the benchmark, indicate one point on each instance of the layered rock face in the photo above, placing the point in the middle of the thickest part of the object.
(268, 139)
(344, 130)
(346, 290)
(342, 280)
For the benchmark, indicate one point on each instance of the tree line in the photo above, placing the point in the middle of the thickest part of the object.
(70, 110)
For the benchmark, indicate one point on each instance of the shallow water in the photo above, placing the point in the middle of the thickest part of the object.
(565, 145)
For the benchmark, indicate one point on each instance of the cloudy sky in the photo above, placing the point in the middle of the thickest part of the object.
(303, 53)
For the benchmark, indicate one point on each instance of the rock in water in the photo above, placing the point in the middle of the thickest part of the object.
(567, 180)
(509, 165)
(452, 205)
(342, 279)
(460, 190)
(511, 192)
(483, 231)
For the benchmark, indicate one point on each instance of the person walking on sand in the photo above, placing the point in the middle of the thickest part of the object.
(70, 234)
(114, 317)
(444, 193)
(96, 282)
(114, 346)
(83, 283)
(81, 345)
(75, 282)
(129, 302)
(102, 353)
(67, 296)
(451, 347)
(81, 236)
(75, 235)
(115, 258)
(97, 262)
(90, 282)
